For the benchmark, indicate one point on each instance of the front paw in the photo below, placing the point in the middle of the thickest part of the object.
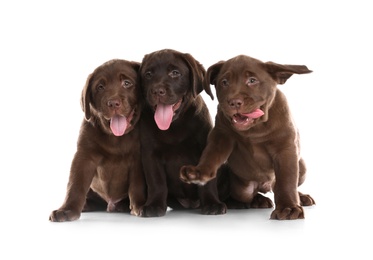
(288, 213)
(64, 215)
(152, 211)
(193, 174)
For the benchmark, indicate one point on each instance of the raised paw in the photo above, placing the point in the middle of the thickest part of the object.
(288, 213)
(193, 174)
(190, 174)
(64, 215)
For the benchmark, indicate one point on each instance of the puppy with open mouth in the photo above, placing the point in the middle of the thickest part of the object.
(106, 172)
(255, 135)
(174, 126)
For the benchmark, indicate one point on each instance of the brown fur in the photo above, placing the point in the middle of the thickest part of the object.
(262, 152)
(106, 169)
(170, 77)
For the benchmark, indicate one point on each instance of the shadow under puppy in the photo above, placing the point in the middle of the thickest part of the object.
(106, 171)
(174, 128)
(255, 134)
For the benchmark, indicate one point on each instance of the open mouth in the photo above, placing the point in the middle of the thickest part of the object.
(119, 123)
(164, 114)
(244, 119)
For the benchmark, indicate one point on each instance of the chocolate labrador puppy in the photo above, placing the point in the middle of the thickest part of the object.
(255, 134)
(106, 170)
(174, 128)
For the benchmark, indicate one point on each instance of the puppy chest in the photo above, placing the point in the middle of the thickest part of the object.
(113, 171)
(248, 160)
(111, 181)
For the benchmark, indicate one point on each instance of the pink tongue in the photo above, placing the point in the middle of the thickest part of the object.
(163, 116)
(118, 125)
(255, 114)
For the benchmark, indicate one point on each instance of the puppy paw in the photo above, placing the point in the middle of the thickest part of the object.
(152, 211)
(288, 213)
(306, 200)
(261, 202)
(64, 215)
(195, 175)
(214, 209)
(136, 211)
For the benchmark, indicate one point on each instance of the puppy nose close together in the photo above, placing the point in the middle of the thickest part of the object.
(235, 103)
(114, 103)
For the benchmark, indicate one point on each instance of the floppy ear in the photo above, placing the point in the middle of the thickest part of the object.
(212, 74)
(86, 98)
(281, 73)
(197, 75)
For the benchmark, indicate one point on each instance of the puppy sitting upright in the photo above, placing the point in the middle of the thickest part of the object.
(255, 134)
(174, 128)
(106, 170)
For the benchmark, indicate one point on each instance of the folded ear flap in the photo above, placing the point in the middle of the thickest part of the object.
(86, 98)
(212, 74)
(197, 75)
(281, 73)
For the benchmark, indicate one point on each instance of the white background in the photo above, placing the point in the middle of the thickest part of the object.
(47, 50)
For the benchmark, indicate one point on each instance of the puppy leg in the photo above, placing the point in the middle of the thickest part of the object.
(81, 175)
(216, 152)
(156, 203)
(287, 199)
(137, 190)
(305, 199)
(211, 205)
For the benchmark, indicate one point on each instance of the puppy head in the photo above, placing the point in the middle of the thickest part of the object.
(110, 96)
(246, 87)
(170, 81)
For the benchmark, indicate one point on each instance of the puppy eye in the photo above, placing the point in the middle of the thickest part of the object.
(174, 74)
(100, 87)
(148, 75)
(126, 83)
(225, 83)
(252, 81)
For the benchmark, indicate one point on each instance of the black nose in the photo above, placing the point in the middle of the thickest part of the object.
(235, 103)
(159, 91)
(114, 103)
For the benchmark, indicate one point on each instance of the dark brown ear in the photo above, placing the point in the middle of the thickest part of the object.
(212, 73)
(86, 98)
(281, 73)
(197, 75)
